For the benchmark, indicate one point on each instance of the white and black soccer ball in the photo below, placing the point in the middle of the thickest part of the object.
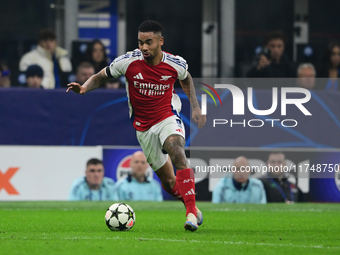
(120, 217)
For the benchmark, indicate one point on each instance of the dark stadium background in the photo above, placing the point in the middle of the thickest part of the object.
(182, 21)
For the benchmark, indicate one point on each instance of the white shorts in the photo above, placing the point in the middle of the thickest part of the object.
(152, 140)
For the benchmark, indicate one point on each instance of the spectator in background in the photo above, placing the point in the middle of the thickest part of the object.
(306, 76)
(5, 76)
(331, 68)
(272, 61)
(94, 186)
(52, 58)
(113, 83)
(1, 84)
(278, 188)
(84, 71)
(34, 75)
(240, 188)
(96, 54)
(137, 187)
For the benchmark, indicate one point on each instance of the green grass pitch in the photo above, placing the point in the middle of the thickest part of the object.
(79, 228)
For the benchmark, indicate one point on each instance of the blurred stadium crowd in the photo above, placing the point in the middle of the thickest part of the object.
(236, 186)
(47, 65)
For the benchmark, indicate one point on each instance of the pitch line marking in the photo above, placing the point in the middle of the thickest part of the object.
(178, 240)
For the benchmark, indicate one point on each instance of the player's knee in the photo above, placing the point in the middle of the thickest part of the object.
(174, 146)
(177, 154)
(174, 143)
(175, 150)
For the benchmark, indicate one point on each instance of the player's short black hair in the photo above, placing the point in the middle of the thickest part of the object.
(275, 35)
(150, 26)
(46, 34)
(94, 161)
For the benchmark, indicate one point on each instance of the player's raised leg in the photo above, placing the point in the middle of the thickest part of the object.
(167, 176)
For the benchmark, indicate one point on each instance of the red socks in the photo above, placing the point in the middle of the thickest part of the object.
(185, 183)
(175, 192)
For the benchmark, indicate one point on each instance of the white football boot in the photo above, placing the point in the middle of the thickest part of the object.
(191, 223)
(199, 217)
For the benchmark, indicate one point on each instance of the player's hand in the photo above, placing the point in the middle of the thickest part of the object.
(198, 117)
(263, 62)
(76, 87)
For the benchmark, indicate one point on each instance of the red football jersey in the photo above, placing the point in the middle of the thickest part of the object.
(150, 89)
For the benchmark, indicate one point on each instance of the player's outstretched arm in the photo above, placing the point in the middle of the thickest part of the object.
(92, 83)
(189, 89)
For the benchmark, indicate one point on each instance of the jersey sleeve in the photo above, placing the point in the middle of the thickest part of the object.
(182, 72)
(118, 66)
(179, 64)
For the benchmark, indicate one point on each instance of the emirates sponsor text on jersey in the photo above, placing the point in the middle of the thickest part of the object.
(150, 89)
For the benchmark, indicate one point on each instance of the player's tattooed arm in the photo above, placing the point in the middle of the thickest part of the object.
(174, 146)
(95, 81)
(92, 83)
(189, 89)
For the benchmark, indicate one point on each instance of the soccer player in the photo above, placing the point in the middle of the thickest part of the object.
(154, 110)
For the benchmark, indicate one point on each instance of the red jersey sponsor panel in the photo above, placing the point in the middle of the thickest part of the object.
(150, 96)
(150, 89)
